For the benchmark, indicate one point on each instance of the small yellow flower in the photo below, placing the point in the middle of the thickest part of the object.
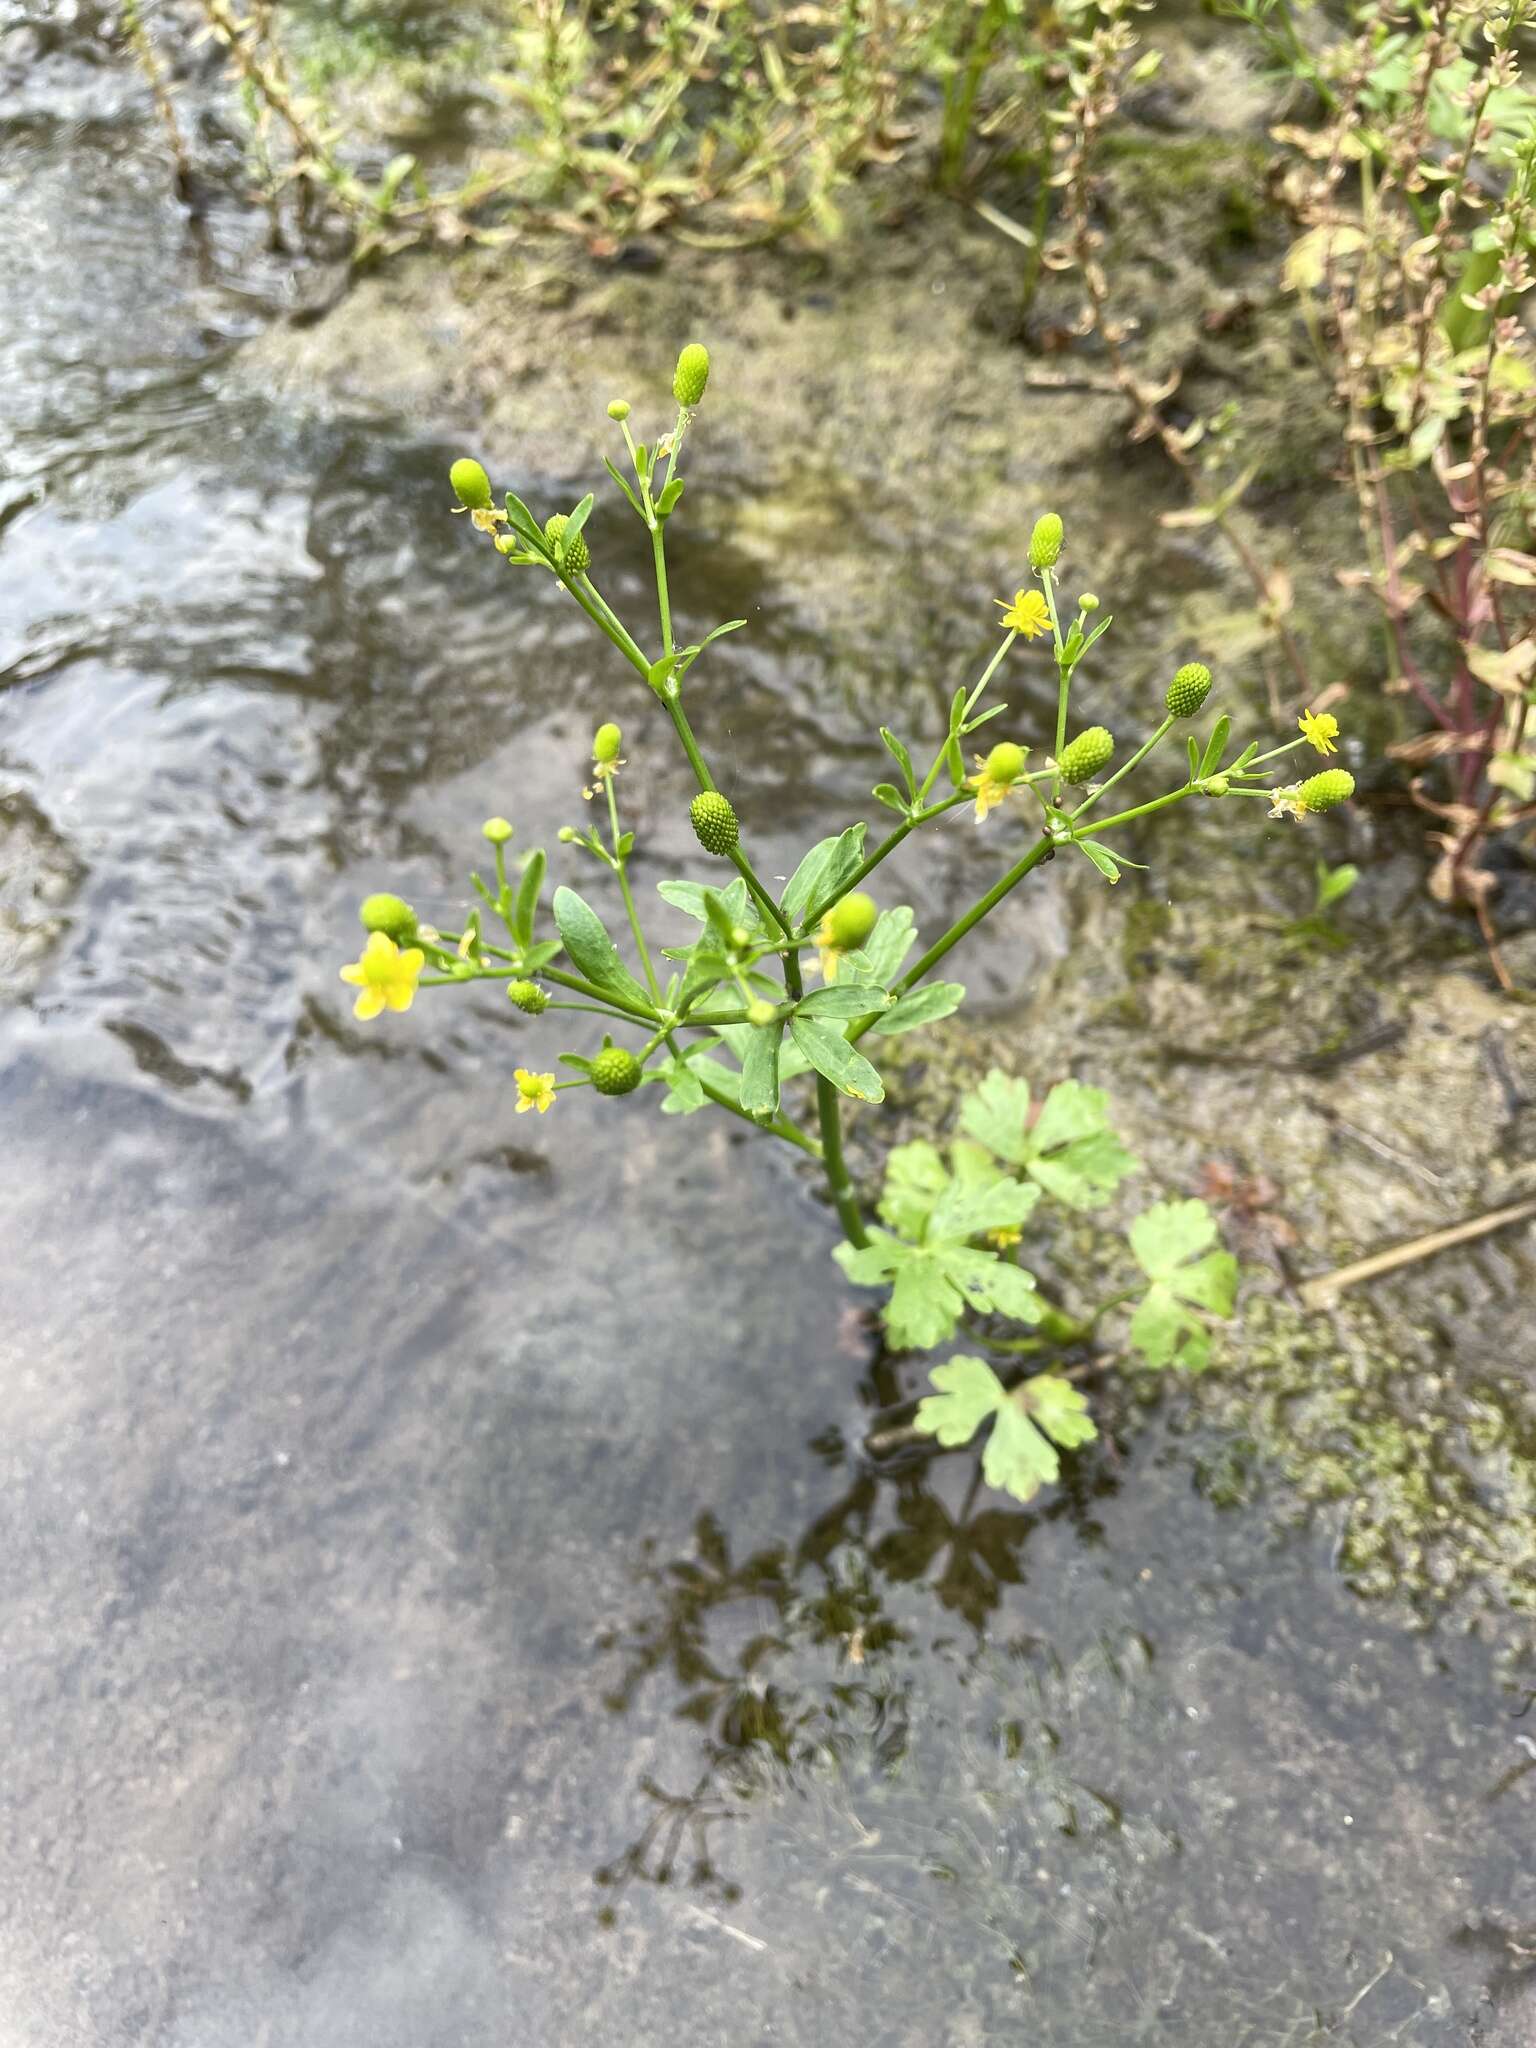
(1287, 802)
(1005, 1238)
(534, 1091)
(998, 772)
(1029, 613)
(1321, 729)
(385, 976)
(487, 518)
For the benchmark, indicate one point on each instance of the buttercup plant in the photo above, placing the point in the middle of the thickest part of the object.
(805, 984)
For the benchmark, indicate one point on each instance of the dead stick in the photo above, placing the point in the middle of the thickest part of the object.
(1318, 1292)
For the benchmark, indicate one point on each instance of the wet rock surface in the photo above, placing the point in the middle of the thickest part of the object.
(445, 1601)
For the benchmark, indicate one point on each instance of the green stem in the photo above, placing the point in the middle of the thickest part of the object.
(1158, 803)
(1038, 852)
(1135, 761)
(970, 704)
(829, 1111)
(621, 869)
(760, 896)
(607, 620)
(582, 987)
(887, 846)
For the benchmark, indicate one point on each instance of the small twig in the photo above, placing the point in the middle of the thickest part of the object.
(1318, 1292)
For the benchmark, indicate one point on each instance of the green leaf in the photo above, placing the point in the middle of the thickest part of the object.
(718, 914)
(1216, 746)
(1101, 857)
(969, 1392)
(882, 953)
(685, 1091)
(692, 897)
(1334, 884)
(1028, 1423)
(659, 674)
(843, 999)
(1070, 1150)
(921, 1006)
(933, 1283)
(586, 940)
(825, 871)
(526, 906)
(577, 520)
(690, 655)
(967, 1209)
(666, 504)
(1166, 1241)
(639, 508)
(902, 758)
(1194, 759)
(831, 1054)
(915, 1177)
(519, 516)
(760, 1070)
(535, 957)
(888, 794)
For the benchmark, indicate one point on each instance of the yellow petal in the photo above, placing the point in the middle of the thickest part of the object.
(368, 1004)
(354, 974)
(399, 994)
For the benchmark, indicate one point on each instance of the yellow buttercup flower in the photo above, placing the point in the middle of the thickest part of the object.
(1029, 614)
(1005, 1237)
(1320, 729)
(534, 1091)
(997, 774)
(385, 976)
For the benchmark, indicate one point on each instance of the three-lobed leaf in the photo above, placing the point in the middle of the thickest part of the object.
(1069, 1149)
(1171, 1243)
(1031, 1423)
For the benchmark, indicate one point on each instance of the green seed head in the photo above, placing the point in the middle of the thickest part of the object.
(1188, 690)
(692, 374)
(714, 821)
(615, 1071)
(1045, 542)
(497, 830)
(471, 485)
(760, 1012)
(1086, 755)
(606, 742)
(1323, 792)
(618, 409)
(1005, 763)
(572, 555)
(390, 915)
(850, 922)
(528, 997)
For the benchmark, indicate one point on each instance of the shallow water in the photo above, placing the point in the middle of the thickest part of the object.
(442, 1605)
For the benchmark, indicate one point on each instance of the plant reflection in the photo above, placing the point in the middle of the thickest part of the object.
(787, 1659)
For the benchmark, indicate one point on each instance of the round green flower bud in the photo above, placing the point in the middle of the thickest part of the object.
(572, 556)
(566, 835)
(615, 1071)
(1216, 785)
(497, 830)
(692, 374)
(618, 408)
(606, 742)
(714, 821)
(741, 938)
(1322, 792)
(1005, 763)
(528, 997)
(390, 915)
(471, 485)
(1082, 759)
(1087, 602)
(850, 922)
(1188, 690)
(1045, 542)
(760, 1011)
